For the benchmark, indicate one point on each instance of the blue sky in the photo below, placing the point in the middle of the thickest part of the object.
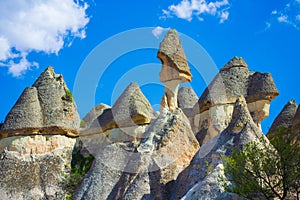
(36, 34)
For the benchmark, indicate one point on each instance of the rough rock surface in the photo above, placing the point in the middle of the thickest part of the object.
(94, 113)
(296, 123)
(173, 59)
(187, 98)
(128, 170)
(32, 167)
(46, 107)
(197, 181)
(215, 106)
(132, 108)
(285, 117)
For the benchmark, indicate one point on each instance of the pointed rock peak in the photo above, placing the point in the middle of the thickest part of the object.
(187, 98)
(49, 76)
(132, 107)
(172, 55)
(285, 117)
(296, 122)
(240, 116)
(26, 113)
(235, 62)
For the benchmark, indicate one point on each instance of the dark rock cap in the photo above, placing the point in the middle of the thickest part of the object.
(171, 54)
(285, 117)
(47, 107)
(235, 80)
(132, 108)
(261, 86)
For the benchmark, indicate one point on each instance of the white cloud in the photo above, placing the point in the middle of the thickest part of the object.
(187, 9)
(157, 31)
(283, 18)
(41, 26)
(289, 14)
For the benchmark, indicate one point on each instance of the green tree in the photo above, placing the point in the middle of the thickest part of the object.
(264, 169)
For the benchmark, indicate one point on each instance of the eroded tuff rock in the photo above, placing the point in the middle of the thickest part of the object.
(187, 98)
(285, 117)
(32, 167)
(197, 181)
(47, 107)
(94, 113)
(215, 106)
(132, 108)
(296, 124)
(174, 70)
(141, 170)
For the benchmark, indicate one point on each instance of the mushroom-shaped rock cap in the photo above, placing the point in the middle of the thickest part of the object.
(261, 87)
(285, 117)
(132, 108)
(173, 59)
(235, 80)
(47, 107)
(230, 83)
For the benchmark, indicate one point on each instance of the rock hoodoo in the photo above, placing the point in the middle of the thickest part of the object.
(285, 117)
(47, 107)
(94, 113)
(131, 108)
(174, 68)
(215, 107)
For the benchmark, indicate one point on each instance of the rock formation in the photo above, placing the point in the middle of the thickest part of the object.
(296, 123)
(132, 108)
(214, 109)
(285, 117)
(47, 107)
(94, 113)
(127, 170)
(174, 68)
(199, 179)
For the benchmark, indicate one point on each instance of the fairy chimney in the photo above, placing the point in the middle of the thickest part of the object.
(175, 69)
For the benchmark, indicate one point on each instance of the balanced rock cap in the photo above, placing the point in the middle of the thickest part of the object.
(132, 108)
(285, 117)
(235, 80)
(47, 107)
(172, 55)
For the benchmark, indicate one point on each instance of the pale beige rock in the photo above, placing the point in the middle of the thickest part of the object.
(174, 68)
(36, 145)
(259, 110)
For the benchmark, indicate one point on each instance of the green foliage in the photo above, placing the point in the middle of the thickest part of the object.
(264, 169)
(82, 124)
(68, 96)
(209, 168)
(79, 167)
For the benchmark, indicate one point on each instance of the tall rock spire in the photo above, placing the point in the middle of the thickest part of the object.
(174, 68)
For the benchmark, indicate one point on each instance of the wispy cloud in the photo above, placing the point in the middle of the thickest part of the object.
(157, 31)
(289, 14)
(40, 26)
(188, 9)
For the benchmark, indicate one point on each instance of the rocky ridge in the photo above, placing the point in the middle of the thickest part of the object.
(175, 154)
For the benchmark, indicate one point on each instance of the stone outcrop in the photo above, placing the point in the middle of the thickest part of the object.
(47, 107)
(296, 123)
(32, 167)
(199, 179)
(285, 117)
(94, 113)
(174, 68)
(132, 108)
(127, 170)
(215, 106)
